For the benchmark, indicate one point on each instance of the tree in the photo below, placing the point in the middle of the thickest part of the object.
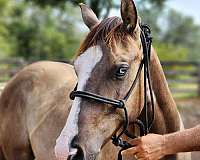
(50, 30)
(5, 46)
(176, 36)
(182, 31)
(98, 6)
(170, 52)
(42, 33)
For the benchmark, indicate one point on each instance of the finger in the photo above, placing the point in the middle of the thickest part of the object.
(135, 141)
(130, 151)
(141, 159)
(138, 156)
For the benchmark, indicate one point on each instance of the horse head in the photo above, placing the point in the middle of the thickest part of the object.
(106, 64)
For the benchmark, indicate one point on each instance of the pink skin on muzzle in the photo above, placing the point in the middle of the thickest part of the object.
(62, 149)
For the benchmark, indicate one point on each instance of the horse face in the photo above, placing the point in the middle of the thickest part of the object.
(107, 64)
(107, 73)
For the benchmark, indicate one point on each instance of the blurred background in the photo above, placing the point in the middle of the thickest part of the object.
(33, 30)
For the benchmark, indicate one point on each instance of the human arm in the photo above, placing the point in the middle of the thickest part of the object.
(155, 146)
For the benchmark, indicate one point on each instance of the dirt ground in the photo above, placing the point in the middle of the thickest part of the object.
(190, 113)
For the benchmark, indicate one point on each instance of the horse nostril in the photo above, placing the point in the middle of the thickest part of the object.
(74, 143)
(80, 154)
(69, 158)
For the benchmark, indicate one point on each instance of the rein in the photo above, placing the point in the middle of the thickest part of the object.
(145, 126)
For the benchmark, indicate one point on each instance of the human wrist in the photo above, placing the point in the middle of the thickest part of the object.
(163, 147)
(167, 145)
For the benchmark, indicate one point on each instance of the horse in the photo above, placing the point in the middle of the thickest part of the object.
(39, 120)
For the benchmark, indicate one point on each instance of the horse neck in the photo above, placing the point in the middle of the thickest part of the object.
(166, 111)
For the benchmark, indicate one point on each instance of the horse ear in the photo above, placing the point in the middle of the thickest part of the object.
(129, 15)
(89, 17)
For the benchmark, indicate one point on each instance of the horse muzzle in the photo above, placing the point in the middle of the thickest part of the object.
(82, 153)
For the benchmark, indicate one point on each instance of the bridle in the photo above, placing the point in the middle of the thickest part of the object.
(145, 126)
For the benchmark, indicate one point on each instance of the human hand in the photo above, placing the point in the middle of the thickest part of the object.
(150, 147)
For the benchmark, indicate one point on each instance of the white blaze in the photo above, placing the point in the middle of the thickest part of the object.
(84, 66)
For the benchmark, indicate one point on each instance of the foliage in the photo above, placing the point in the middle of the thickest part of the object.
(5, 47)
(42, 33)
(97, 5)
(168, 51)
(149, 4)
(176, 35)
(51, 29)
(182, 31)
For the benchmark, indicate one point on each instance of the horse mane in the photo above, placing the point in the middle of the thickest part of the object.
(108, 30)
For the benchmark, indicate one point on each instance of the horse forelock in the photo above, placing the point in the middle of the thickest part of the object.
(108, 31)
